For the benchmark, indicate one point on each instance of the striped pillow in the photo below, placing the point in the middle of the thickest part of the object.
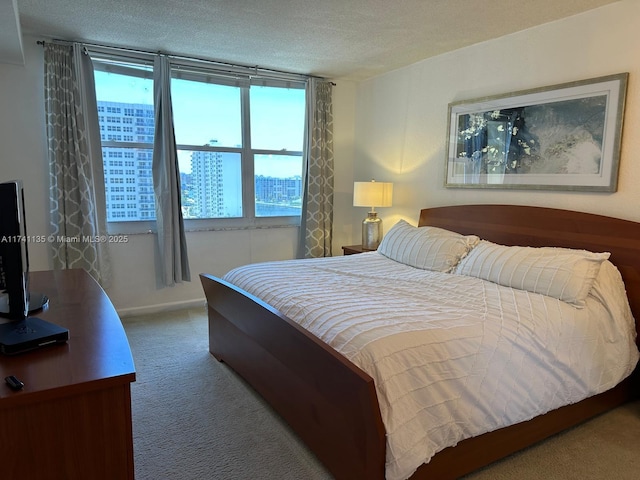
(428, 248)
(562, 273)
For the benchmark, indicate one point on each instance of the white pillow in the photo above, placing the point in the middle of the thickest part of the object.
(428, 248)
(562, 273)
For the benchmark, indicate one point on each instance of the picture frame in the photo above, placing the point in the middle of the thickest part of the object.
(560, 137)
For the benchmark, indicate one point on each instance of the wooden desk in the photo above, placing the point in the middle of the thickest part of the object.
(72, 420)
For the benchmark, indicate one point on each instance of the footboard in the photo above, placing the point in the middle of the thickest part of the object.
(327, 400)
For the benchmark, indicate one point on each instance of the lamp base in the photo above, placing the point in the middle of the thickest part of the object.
(371, 231)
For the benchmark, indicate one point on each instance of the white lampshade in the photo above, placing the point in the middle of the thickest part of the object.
(372, 194)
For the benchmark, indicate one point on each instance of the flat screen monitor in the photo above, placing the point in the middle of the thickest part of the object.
(15, 299)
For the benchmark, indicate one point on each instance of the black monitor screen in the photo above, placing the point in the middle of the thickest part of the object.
(14, 255)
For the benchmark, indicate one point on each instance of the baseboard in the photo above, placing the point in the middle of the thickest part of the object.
(161, 307)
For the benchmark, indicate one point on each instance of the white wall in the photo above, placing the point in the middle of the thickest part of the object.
(22, 141)
(133, 290)
(401, 117)
(343, 145)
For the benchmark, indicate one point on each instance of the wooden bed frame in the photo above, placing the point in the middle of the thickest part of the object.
(332, 404)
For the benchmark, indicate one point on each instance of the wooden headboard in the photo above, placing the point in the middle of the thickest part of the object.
(550, 227)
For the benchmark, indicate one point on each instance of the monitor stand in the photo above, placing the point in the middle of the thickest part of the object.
(37, 302)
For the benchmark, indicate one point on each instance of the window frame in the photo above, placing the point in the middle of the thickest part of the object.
(197, 72)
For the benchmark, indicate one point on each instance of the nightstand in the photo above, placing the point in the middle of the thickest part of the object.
(353, 249)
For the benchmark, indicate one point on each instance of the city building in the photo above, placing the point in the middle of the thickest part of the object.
(127, 170)
(216, 181)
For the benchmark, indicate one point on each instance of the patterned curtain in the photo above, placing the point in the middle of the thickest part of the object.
(78, 220)
(316, 224)
(172, 264)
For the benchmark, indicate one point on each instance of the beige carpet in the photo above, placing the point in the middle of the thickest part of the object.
(607, 447)
(193, 418)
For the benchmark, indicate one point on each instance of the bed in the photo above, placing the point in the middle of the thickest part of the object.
(332, 403)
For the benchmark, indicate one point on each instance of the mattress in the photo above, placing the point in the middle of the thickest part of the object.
(452, 356)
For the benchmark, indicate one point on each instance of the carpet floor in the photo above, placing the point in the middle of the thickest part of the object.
(194, 418)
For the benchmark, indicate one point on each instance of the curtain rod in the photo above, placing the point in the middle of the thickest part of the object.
(255, 68)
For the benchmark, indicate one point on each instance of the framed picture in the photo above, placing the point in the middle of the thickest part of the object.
(563, 137)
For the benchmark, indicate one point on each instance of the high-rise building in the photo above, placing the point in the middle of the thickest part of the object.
(217, 184)
(277, 196)
(127, 170)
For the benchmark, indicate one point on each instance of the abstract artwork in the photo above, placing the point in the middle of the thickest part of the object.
(564, 137)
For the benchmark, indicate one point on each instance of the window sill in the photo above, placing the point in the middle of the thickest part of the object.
(206, 225)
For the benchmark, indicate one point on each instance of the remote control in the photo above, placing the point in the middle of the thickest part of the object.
(14, 383)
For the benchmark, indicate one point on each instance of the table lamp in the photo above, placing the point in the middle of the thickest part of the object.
(372, 194)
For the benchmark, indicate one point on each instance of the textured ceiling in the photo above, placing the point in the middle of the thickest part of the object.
(352, 39)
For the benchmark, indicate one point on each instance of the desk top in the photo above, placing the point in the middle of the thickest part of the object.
(96, 354)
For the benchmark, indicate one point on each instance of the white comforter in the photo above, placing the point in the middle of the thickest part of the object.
(452, 356)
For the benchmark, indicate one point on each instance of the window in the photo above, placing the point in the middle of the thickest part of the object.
(122, 90)
(208, 128)
(277, 134)
(239, 144)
